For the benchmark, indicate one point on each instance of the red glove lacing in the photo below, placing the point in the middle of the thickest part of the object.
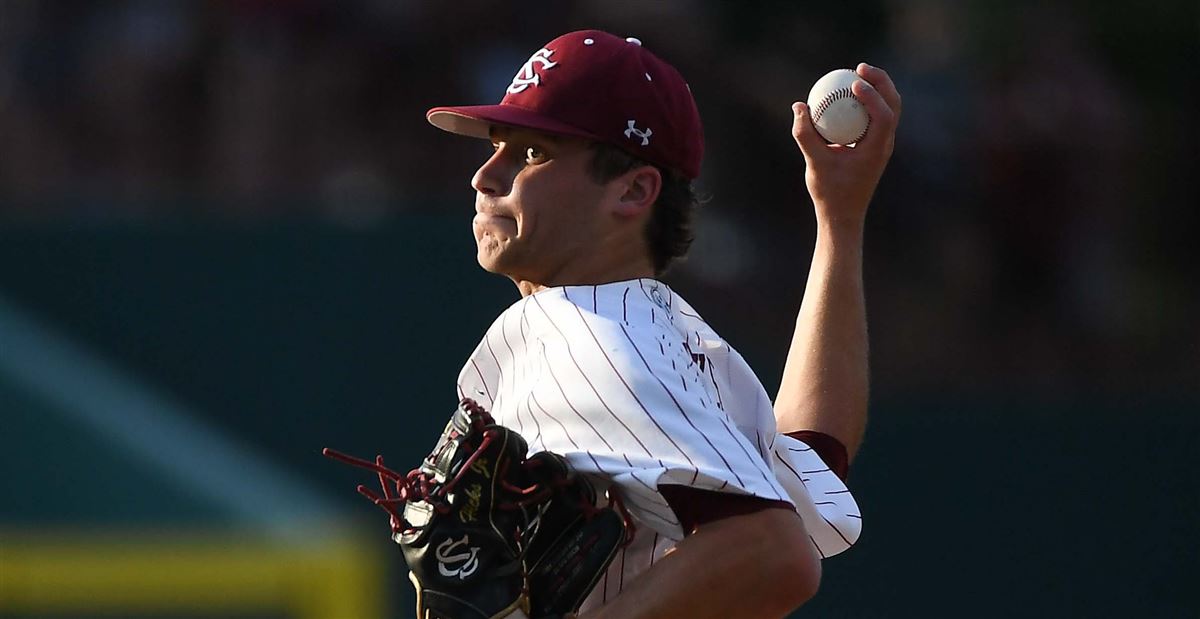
(420, 486)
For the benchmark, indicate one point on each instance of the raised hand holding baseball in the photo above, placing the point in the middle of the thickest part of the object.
(841, 179)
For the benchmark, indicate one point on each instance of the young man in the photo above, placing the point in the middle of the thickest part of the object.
(585, 201)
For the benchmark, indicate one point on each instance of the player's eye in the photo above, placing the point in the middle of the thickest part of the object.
(534, 155)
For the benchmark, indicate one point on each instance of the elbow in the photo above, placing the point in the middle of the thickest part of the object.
(794, 560)
(804, 569)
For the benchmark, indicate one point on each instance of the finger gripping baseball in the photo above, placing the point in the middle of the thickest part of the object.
(484, 530)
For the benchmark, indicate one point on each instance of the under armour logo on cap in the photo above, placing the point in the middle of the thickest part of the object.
(645, 135)
(528, 75)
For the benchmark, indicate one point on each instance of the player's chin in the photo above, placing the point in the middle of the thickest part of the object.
(488, 264)
(497, 267)
(490, 254)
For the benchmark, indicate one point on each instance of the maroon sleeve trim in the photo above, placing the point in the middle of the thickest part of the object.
(695, 507)
(831, 450)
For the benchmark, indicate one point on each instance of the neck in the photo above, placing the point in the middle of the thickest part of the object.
(586, 277)
(614, 256)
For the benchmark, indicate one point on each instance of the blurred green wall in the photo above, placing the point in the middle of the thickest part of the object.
(301, 336)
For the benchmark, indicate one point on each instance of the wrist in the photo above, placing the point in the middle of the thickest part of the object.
(841, 234)
(841, 226)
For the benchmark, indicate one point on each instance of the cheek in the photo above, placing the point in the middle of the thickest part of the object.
(539, 222)
(556, 210)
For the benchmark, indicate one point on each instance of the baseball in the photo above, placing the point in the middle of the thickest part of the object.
(837, 114)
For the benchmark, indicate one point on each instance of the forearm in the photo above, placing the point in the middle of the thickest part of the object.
(825, 380)
(758, 565)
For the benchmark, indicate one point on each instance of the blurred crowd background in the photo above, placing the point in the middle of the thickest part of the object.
(1032, 231)
(1031, 254)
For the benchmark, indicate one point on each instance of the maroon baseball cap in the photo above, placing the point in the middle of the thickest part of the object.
(595, 85)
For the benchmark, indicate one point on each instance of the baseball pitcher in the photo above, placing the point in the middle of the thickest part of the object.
(612, 455)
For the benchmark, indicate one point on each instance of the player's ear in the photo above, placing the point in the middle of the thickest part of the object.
(640, 188)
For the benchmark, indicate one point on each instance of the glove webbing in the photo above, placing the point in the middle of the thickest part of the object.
(418, 485)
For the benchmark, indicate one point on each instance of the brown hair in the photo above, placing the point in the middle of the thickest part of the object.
(669, 231)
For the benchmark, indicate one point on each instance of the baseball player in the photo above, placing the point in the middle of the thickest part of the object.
(586, 200)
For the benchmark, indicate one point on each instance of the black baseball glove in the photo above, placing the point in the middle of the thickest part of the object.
(488, 533)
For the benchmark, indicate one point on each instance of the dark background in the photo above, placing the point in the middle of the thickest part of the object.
(241, 204)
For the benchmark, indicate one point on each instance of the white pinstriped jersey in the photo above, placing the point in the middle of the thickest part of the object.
(636, 390)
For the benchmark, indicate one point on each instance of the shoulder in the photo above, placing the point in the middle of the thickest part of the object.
(607, 307)
(609, 331)
(614, 316)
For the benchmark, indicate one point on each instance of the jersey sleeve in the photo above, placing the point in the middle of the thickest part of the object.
(830, 513)
(628, 404)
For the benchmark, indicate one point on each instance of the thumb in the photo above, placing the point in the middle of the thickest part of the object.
(807, 138)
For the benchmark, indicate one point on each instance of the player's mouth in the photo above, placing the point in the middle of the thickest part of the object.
(493, 221)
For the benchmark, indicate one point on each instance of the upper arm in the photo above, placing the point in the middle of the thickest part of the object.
(767, 542)
(754, 565)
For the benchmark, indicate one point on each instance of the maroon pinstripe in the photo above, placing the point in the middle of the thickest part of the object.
(681, 409)
(588, 380)
(632, 392)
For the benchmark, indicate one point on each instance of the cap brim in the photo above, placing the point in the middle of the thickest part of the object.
(476, 121)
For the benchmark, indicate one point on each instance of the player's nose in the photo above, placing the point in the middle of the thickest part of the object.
(495, 176)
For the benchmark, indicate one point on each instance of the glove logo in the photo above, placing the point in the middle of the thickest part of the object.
(482, 467)
(528, 75)
(467, 561)
(470, 511)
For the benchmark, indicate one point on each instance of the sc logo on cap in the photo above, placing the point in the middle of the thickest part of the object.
(528, 75)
